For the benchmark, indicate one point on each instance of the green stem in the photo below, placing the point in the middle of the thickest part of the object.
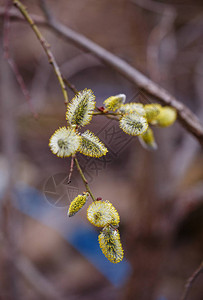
(84, 179)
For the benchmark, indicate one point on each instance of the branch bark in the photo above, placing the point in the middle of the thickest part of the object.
(191, 280)
(185, 115)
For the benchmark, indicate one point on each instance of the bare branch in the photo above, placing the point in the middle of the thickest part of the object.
(158, 33)
(185, 115)
(44, 44)
(155, 7)
(46, 10)
(191, 280)
(36, 279)
(10, 60)
(70, 85)
(84, 178)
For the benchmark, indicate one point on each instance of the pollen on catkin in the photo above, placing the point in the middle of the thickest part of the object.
(77, 204)
(110, 244)
(91, 145)
(152, 111)
(114, 102)
(64, 142)
(147, 140)
(166, 117)
(133, 124)
(101, 213)
(133, 108)
(79, 110)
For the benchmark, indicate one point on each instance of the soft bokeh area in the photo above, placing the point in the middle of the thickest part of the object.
(44, 254)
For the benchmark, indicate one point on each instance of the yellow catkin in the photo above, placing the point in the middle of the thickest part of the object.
(152, 111)
(101, 213)
(114, 102)
(133, 108)
(133, 124)
(77, 204)
(110, 244)
(166, 117)
(91, 145)
(147, 140)
(65, 142)
(79, 110)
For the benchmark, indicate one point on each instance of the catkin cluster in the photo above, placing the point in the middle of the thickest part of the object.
(102, 214)
(66, 141)
(134, 119)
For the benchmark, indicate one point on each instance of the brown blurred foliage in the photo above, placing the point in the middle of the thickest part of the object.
(159, 195)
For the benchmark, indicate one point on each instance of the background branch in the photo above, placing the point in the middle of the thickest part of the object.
(185, 115)
(45, 46)
(191, 280)
(10, 60)
(40, 283)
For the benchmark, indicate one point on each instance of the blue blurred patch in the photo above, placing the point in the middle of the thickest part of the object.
(83, 237)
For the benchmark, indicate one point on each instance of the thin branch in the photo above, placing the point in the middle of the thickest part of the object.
(188, 119)
(45, 10)
(45, 46)
(158, 33)
(11, 62)
(39, 282)
(106, 113)
(191, 280)
(71, 169)
(70, 85)
(185, 115)
(16, 16)
(84, 179)
(79, 63)
(155, 7)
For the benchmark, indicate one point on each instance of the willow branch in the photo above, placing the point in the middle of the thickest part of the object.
(44, 44)
(191, 280)
(84, 179)
(185, 115)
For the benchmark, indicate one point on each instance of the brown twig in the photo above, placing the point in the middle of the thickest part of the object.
(84, 179)
(185, 115)
(70, 85)
(155, 7)
(106, 113)
(71, 169)
(188, 119)
(191, 280)
(36, 279)
(45, 46)
(11, 62)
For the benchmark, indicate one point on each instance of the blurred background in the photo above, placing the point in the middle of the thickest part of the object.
(159, 195)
